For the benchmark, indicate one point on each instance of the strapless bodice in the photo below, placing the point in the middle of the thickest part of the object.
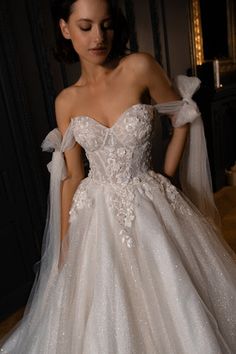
(120, 153)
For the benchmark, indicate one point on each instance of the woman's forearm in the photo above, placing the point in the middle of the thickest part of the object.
(69, 186)
(175, 150)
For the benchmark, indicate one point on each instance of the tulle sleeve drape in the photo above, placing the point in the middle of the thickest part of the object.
(194, 172)
(54, 142)
(47, 271)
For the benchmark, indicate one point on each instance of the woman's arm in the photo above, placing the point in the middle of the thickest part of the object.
(73, 160)
(175, 150)
(162, 91)
(75, 174)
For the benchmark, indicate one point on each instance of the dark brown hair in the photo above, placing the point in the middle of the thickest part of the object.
(64, 50)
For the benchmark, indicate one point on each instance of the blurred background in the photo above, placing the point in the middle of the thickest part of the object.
(193, 37)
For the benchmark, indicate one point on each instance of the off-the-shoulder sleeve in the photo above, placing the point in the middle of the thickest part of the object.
(194, 172)
(54, 142)
(185, 110)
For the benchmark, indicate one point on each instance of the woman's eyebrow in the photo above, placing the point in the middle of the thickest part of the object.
(84, 19)
(90, 21)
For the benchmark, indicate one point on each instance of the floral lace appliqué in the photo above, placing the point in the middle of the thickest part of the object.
(81, 199)
(121, 201)
(119, 157)
(170, 191)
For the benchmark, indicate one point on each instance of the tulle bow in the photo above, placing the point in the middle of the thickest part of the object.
(53, 142)
(187, 86)
(185, 110)
(195, 177)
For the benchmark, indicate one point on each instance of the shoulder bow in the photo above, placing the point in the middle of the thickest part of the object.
(195, 177)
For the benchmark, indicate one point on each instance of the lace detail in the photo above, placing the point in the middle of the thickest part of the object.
(169, 190)
(122, 202)
(119, 165)
(120, 157)
(136, 126)
(80, 199)
(87, 133)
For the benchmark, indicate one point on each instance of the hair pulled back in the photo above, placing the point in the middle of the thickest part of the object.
(64, 50)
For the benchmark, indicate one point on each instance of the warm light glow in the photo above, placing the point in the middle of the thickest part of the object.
(197, 32)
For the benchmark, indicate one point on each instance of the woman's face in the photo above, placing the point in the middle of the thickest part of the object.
(89, 27)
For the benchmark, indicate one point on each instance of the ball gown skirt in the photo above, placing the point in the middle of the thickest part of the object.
(145, 272)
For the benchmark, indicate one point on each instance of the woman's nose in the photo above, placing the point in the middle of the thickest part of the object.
(99, 34)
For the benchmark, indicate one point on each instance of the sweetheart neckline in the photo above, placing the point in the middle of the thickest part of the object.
(117, 120)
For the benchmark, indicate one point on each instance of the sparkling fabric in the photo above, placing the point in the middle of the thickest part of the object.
(145, 273)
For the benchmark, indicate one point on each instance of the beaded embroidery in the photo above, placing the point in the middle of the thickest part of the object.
(120, 157)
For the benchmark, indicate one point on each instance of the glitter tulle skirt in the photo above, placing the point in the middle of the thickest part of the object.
(168, 286)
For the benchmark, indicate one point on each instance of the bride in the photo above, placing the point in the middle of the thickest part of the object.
(130, 263)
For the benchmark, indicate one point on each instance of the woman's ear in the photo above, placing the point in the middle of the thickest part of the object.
(64, 29)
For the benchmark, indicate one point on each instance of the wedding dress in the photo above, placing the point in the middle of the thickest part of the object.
(145, 271)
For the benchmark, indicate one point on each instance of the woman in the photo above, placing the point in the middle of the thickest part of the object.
(130, 265)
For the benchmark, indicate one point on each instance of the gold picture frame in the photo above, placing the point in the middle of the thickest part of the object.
(196, 36)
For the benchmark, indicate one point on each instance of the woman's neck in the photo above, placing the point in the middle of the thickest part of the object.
(94, 73)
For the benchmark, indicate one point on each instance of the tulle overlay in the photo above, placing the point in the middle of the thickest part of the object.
(144, 271)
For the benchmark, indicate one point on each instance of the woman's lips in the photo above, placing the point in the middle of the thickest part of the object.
(98, 51)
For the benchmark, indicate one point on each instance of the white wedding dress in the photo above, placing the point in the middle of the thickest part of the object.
(145, 272)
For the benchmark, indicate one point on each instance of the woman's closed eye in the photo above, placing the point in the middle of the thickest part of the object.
(104, 26)
(85, 28)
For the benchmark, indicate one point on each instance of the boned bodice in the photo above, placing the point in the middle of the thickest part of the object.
(120, 153)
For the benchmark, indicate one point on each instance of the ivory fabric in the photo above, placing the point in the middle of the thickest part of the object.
(145, 272)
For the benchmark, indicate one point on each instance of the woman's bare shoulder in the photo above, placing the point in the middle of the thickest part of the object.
(143, 66)
(67, 95)
(64, 104)
(151, 75)
(140, 61)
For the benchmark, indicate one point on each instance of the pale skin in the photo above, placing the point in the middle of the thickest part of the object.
(106, 89)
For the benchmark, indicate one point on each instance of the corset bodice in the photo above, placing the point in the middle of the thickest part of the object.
(120, 153)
